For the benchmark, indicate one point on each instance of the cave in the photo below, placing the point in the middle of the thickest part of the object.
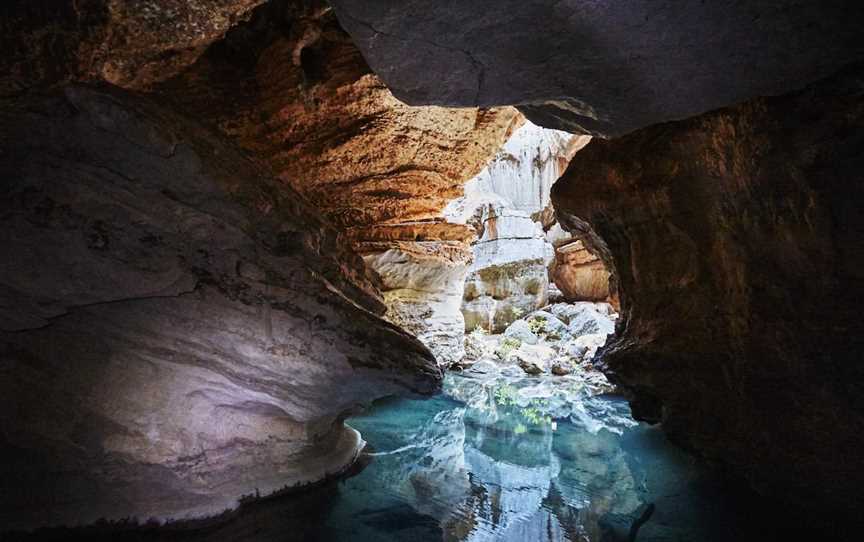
(373, 270)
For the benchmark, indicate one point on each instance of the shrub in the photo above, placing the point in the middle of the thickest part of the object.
(507, 347)
(505, 395)
(537, 325)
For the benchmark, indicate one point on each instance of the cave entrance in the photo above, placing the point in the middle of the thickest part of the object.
(495, 275)
(534, 294)
(516, 317)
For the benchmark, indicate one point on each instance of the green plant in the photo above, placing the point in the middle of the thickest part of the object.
(505, 395)
(507, 347)
(516, 312)
(537, 325)
(534, 415)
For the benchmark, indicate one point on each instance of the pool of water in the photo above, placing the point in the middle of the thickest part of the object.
(497, 456)
(504, 458)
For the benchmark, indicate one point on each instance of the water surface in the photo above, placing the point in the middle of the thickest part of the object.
(497, 456)
(511, 457)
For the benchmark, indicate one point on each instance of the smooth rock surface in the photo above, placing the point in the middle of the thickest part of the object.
(603, 68)
(588, 320)
(177, 330)
(522, 331)
(423, 288)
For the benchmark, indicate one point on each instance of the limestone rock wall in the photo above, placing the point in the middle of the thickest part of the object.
(735, 239)
(507, 204)
(176, 329)
(424, 285)
(508, 277)
(308, 108)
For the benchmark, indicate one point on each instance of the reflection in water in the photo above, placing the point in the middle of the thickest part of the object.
(509, 458)
(498, 456)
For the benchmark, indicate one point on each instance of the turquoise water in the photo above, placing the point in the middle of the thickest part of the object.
(497, 456)
(522, 459)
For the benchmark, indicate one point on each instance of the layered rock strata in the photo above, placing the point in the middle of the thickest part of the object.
(178, 329)
(735, 239)
(603, 68)
(307, 106)
(508, 277)
(508, 203)
(423, 280)
(578, 273)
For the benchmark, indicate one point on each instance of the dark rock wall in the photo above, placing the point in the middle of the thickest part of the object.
(177, 329)
(736, 241)
(604, 68)
(129, 43)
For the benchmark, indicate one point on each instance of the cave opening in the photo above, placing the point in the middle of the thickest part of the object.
(528, 440)
(307, 269)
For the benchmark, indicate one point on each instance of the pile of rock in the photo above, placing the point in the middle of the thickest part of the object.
(559, 339)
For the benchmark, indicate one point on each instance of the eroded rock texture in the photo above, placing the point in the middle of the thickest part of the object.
(178, 329)
(129, 43)
(292, 89)
(508, 205)
(423, 273)
(604, 68)
(735, 238)
(578, 273)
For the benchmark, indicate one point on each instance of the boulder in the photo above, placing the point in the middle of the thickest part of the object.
(521, 331)
(563, 311)
(484, 367)
(476, 348)
(591, 342)
(578, 273)
(561, 368)
(534, 359)
(589, 320)
(530, 367)
(576, 349)
(547, 325)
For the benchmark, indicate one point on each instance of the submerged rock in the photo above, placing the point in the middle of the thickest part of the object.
(530, 366)
(561, 368)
